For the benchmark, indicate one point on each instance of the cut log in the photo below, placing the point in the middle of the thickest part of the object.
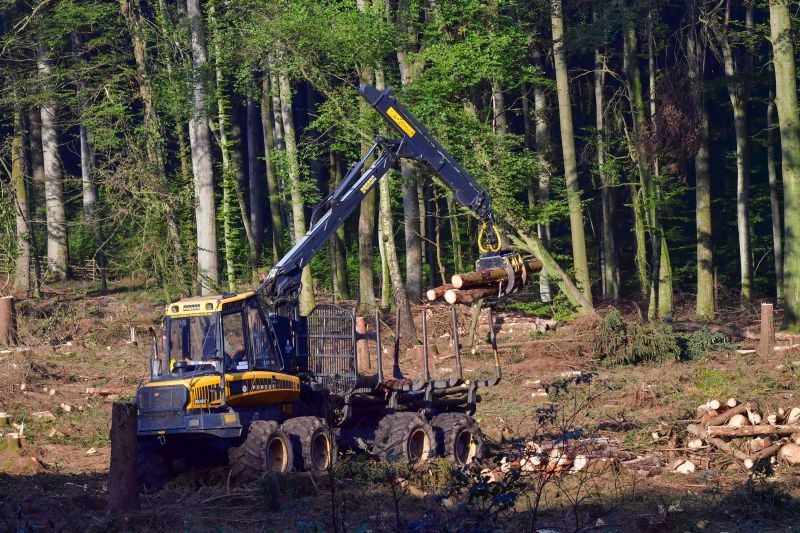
(790, 453)
(437, 292)
(468, 296)
(760, 443)
(719, 443)
(123, 489)
(103, 391)
(738, 421)
(766, 342)
(794, 416)
(491, 275)
(8, 321)
(730, 413)
(751, 431)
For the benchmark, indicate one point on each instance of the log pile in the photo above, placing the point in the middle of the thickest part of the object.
(744, 431)
(469, 287)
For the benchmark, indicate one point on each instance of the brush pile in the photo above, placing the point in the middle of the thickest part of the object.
(742, 430)
(470, 287)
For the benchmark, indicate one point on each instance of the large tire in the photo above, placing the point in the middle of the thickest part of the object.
(404, 438)
(313, 444)
(152, 465)
(458, 438)
(266, 448)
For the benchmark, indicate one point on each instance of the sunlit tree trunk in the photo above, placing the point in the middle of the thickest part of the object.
(57, 240)
(696, 52)
(789, 123)
(238, 177)
(775, 206)
(200, 141)
(273, 188)
(293, 170)
(543, 148)
(577, 232)
(22, 266)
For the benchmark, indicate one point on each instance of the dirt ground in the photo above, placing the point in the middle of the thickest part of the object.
(71, 343)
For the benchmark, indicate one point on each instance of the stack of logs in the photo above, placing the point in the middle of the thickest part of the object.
(470, 287)
(742, 430)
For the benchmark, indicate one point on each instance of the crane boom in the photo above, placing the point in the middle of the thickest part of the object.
(417, 144)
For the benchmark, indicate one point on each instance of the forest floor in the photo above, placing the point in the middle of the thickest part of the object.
(74, 342)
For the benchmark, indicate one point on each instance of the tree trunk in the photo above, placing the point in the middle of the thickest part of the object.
(36, 189)
(273, 190)
(237, 158)
(499, 121)
(386, 284)
(22, 266)
(123, 488)
(568, 147)
(544, 150)
(255, 180)
(455, 234)
(789, 123)
(610, 270)
(88, 178)
(132, 15)
(293, 170)
(411, 222)
(775, 206)
(739, 92)
(705, 255)
(339, 277)
(57, 241)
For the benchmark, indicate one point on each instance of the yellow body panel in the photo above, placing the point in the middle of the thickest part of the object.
(203, 305)
(249, 388)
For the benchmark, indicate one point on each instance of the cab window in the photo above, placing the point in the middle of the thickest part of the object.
(263, 351)
(234, 343)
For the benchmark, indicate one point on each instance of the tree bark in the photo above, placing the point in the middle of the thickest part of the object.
(789, 123)
(705, 255)
(200, 141)
(8, 321)
(22, 266)
(123, 489)
(611, 286)
(255, 179)
(339, 278)
(293, 170)
(543, 147)
(57, 240)
(273, 189)
(499, 121)
(91, 207)
(455, 234)
(775, 206)
(568, 147)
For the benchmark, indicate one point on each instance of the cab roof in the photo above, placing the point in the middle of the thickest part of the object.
(204, 305)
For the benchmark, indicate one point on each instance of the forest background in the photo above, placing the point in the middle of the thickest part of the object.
(645, 147)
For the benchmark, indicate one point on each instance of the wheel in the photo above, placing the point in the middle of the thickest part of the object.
(313, 445)
(404, 438)
(265, 449)
(458, 438)
(152, 465)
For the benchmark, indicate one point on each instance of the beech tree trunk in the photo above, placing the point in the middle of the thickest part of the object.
(200, 141)
(568, 148)
(273, 189)
(705, 256)
(90, 195)
(544, 151)
(255, 179)
(57, 240)
(339, 278)
(789, 123)
(237, 170)
(293, 170)
(775, 206)
(22, 266)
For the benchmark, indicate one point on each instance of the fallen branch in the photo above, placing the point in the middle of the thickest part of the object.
(751, 431)
(719, 443)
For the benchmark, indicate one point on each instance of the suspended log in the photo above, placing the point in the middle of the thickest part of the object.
(437, 292)
(751, 431)
(467, 296)
(492, 275)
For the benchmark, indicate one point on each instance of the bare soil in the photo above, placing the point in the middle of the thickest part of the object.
(72, 342)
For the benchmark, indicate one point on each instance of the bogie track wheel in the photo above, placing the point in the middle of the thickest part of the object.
(313, 444)
(266, 449)
(458, 438)
(404, 438)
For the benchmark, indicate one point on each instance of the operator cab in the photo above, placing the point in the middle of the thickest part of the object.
(206, 334)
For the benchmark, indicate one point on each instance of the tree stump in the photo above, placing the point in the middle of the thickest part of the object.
(123, 488)
(8, 322)
(766, 342)
(362, 346)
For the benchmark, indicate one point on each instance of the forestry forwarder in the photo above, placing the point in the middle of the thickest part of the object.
(248, 374)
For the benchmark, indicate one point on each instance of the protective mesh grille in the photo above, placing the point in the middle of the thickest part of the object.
(331, 348)
(167, 398)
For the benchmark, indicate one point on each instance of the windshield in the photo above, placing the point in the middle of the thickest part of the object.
(192, 338)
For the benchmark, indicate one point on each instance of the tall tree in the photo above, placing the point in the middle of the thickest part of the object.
(568, 148)
(789, 123)
(544, 150)
(774, 202)
(57, 244)
(293, 170)
(202, 165)
(696, 52)
(256, 181)
(273, 190)
(22, 268)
